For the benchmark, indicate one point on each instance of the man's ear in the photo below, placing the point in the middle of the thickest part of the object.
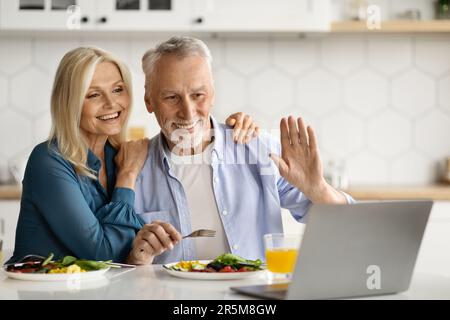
(149, 106)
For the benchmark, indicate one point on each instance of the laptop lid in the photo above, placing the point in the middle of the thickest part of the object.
(366, 248)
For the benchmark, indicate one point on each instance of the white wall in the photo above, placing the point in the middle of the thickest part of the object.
(380, 102)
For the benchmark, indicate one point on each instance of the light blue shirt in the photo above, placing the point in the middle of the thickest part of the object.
(248, 189)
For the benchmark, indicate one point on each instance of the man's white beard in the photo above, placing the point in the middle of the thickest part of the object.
(185, 141)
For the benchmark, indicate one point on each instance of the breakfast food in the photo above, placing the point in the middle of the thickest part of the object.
(224, 263)
(68, 264)
(70, 269)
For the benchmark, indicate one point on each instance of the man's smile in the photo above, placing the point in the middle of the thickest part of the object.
(189, 126)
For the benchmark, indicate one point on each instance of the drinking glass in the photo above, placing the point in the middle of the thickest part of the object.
(281, 254)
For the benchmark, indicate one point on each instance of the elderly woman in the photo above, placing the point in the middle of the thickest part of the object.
(78, 189)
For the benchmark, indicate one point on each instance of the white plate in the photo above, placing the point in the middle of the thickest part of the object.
(88, 275)
(211, 275)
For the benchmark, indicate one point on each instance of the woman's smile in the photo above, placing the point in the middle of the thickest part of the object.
(110, 117)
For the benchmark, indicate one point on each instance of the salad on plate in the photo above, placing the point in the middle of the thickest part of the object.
(68, 264)
(68, 268)
(225, 267)
(224, 263)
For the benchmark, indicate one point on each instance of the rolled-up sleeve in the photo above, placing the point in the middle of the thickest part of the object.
(293, 199)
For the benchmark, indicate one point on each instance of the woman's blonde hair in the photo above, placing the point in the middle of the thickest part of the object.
(72, 80)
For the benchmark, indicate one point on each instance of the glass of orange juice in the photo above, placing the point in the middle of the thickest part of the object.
(281, 254)
(136, 133)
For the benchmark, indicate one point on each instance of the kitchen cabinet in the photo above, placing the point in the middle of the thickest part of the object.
(9, 215)
(166, 15)
(45, 14)
(262, 15)
(116, 15)
(146, 15)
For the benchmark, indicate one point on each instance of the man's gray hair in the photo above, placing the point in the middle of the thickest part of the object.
(181, 46)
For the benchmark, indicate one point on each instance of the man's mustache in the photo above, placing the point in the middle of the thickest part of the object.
(179, 122)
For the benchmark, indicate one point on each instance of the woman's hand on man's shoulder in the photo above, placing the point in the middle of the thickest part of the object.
(129, 160)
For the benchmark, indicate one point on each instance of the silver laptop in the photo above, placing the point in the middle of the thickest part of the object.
(367, 248)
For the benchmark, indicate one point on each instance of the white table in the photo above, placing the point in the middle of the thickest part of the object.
(431, 279)
(152, 282)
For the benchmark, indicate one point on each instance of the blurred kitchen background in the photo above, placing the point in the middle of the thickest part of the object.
(380, 102)
(372, 77)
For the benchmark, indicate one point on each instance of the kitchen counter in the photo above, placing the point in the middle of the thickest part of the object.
(10, 192)
(434, 192)
(152, 282)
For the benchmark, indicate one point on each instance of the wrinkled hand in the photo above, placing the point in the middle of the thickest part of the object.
(132, 155)
(129, 160)
(152, 240)
(300, 162)
(244, 128)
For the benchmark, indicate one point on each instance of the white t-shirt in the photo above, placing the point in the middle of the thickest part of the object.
(195, 174)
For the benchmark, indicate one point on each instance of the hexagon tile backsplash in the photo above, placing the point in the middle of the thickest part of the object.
(379, 103)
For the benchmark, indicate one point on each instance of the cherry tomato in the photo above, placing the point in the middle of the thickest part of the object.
(243, 269)
(227, 269)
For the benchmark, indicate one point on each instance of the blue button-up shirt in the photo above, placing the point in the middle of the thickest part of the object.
(248, 189)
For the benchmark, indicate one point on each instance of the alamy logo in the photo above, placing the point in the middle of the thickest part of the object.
(73, 281)
(73, 21)
(374, 280)
(373, 14)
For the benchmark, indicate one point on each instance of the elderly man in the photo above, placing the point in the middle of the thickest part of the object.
(195, 178)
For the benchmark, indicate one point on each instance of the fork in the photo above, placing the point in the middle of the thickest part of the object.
(198, 233)
(201, 233)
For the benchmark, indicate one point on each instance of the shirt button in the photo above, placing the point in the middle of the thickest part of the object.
(235, 247)
(216, 179)
(224, 212)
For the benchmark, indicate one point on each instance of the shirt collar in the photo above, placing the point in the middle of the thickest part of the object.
(94, 163)
(163, 149)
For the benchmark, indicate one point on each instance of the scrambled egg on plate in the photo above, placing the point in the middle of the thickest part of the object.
(70, 269)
